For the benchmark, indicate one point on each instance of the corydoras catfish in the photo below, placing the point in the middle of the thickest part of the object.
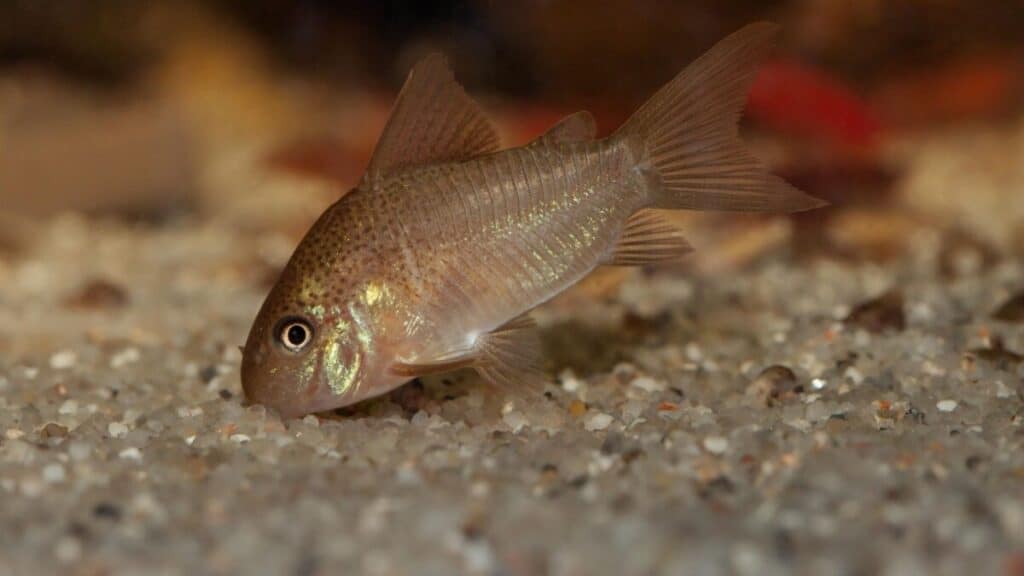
(433, 261)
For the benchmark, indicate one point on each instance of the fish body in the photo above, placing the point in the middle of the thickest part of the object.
(432, 261)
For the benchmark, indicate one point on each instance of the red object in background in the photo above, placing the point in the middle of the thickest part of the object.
(797, 100)
(982, 86)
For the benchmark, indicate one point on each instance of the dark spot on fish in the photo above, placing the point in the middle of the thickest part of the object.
(879, 315)
(225, 394)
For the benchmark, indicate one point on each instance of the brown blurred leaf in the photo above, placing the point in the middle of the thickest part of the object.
(62, 150)
(98, 294)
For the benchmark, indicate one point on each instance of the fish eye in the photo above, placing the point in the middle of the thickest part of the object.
(294, 334)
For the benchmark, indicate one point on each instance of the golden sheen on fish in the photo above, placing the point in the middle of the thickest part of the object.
(433, 261)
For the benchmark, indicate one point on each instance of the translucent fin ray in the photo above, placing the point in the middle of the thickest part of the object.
(508, 357)
(577, 127)
(649, 238)
(433, 120)
(686, 139)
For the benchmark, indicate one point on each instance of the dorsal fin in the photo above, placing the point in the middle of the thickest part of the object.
(433, 120)
(576, 127)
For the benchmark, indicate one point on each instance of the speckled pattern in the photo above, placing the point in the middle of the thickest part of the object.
(777, 419)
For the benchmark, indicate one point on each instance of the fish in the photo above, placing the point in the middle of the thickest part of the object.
(434, 260)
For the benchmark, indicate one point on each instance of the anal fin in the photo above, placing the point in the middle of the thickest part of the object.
(649, 238)
(507, 357)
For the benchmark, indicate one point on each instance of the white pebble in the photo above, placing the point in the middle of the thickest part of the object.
(648, 384)
(854, 375)
(515, 420)
(946, 405)
(125, 357)
(819, 383)
(693, 352)
(53, 473)
(598, 421)
(68, 550)
(931, 369)
(63, 360)
(79, 450)
(132, 453)
(68, 407)
(117, 429)
(570, 383)
(716, 444)
(31, 488)
(240, 438)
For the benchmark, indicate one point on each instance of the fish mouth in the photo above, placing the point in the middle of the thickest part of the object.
(288, 406)
(291, 409)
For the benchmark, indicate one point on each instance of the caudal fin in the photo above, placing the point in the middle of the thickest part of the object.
(686, 135)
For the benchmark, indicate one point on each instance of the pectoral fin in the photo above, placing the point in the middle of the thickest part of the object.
(509, 356)
(649, 238)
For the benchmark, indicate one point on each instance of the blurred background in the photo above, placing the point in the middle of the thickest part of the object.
(905, 114)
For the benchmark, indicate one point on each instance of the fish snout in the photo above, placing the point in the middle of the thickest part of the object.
(266, 380)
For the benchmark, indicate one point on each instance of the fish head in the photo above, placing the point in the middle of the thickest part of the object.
(305, 358)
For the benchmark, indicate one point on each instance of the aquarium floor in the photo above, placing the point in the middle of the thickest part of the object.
(771, 419)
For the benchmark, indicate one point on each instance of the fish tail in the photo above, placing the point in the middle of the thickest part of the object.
(686, 138)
